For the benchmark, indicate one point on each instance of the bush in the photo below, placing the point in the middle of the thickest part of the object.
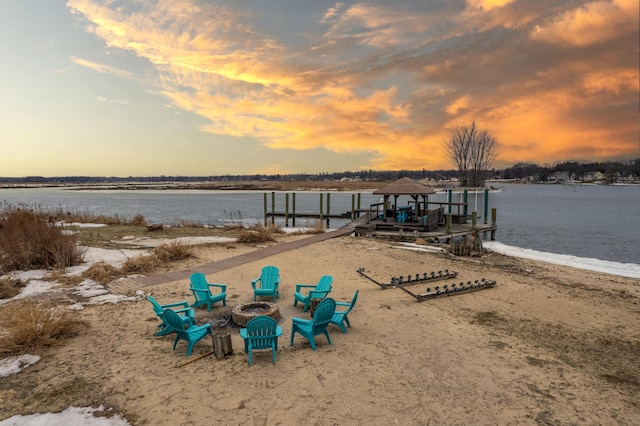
(139, 265)
(257, 234)
(28, 241)
(29, 327)
(172, 251)
(138, 220)
(101, 272)
(8, 289)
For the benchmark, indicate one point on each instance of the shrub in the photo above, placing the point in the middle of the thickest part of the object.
(8, 289)
(30, 327)
(138, 220)
(28, 241)
(140, 265)
(172, 251)
(101, 272)
(257, 234)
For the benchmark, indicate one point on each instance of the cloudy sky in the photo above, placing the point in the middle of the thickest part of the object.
(203, 87)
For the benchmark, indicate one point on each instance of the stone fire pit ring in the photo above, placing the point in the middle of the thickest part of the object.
(242, 314)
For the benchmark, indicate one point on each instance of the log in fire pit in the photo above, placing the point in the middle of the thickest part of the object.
(242, 314)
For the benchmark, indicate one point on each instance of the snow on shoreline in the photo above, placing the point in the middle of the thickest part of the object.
(630, 270)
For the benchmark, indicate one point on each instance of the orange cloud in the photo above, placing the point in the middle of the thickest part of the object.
(381, 81)
(488, 4)
(595, 22)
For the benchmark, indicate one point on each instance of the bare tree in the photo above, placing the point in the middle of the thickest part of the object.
(472, 151)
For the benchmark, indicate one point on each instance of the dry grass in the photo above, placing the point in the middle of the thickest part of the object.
(104, 273)
(256, 234)
(8, 289)
(140, 265)
(101, 272)
(606, 354)
(29, 327)
(172, 251)
(60, 277)
(28, 241)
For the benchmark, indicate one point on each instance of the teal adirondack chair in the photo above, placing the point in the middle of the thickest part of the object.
(201, 290)
(261, 333)
(309, 328)
(186, 314)
(269, 281)
(315, 291)
(340, 317)
(191, 335)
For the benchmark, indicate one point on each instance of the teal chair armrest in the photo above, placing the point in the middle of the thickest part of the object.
(343, 304)
(318, 294)
(254, 282)
(184, 304)
(301, 321)
(278, 331)
(299, 286)
(179, 311)
(199, 327)
(222, 286)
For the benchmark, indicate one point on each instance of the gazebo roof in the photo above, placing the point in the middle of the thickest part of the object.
(405, 186)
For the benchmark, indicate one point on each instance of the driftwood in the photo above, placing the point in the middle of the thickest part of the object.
(222, 344)
(158, 227)
(189, 361)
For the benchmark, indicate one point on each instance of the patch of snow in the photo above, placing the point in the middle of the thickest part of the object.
(111, 298)
(151, 242)
(89, 288)
(35, 287)
(420, 248)
(81, 225)
(113, 257)
(15, 364)
(71, 416)
(630, 270)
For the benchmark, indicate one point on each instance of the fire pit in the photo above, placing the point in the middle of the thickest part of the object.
(242, 314)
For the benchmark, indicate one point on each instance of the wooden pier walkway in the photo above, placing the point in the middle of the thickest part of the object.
(132, 284)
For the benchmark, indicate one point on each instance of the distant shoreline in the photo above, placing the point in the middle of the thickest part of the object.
(213, 185)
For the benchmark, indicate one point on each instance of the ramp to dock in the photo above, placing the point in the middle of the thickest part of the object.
(132, 284)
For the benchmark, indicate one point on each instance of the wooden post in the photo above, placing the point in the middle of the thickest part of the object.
(294, 208)
(286, 209)
(313, 305)
(353, 206)
(265, 209)
(221, 344)
(449, 198)
(321, 207)
(328, 207)
(486, 205)
(449, 220)
(474, 220)
(359, 200)
(273, 207)
(493, 222)
(465, 200)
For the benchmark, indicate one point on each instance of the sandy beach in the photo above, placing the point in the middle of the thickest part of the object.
(548, 345)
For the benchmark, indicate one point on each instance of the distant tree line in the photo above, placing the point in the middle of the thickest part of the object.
(530, 171)
(611, 169)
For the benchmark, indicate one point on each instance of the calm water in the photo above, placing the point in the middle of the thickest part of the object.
(601, 222)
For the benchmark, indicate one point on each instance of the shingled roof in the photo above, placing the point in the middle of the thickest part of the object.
(405, 186)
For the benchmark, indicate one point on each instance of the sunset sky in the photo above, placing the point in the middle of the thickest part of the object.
(195, 87)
